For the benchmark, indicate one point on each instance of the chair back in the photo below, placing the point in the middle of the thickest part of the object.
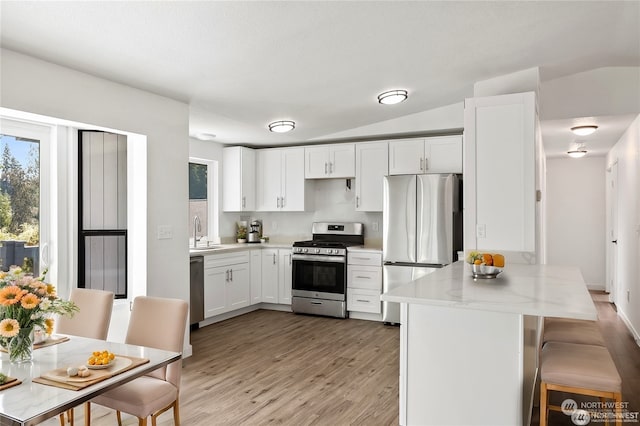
(159, 323)
(94, 316)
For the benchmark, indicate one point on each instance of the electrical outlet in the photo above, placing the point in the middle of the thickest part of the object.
(481, 231)
(274, 226)
(165, 232)
(374, 226)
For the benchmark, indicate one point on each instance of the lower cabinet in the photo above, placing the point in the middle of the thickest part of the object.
(227, 283)
(270, 275)
(364, 281)
(256, 276)
(284, 276)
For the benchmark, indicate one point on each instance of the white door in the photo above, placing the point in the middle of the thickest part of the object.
(342, 161)
(316, 161)
(284, 277)
(215, 289)
(612, 233)
(372, 165)
(406, 157)
(270, 276)
(238, 286)
(268, 180)
(292, 180)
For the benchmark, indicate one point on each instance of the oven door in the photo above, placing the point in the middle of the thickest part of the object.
(317, 276)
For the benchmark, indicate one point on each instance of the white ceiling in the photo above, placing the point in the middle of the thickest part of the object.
(240, 65)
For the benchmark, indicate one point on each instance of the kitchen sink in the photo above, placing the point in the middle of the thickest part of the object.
(211, 247)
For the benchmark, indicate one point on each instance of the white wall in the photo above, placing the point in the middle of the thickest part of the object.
(40, 87)
(576, 228)
(627, 153)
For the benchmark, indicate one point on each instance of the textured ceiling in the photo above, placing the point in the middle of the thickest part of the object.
(241, 64)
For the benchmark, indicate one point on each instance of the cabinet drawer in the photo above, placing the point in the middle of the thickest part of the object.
(363, 301)
(364, 258)
(365, 277)
(215, 260)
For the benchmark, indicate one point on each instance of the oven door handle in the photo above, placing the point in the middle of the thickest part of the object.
(319, 258)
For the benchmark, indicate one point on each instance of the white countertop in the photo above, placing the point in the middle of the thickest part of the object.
(539, 290)
(229, 248)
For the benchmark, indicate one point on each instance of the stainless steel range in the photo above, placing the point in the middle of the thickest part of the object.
(320, 268)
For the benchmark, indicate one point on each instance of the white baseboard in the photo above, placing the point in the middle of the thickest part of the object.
(625, 320)
(598, 287)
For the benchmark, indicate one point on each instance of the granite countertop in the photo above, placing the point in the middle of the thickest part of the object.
(539, 290)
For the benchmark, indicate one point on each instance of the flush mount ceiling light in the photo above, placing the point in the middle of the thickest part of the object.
(578, 152)
(392, 97)
(205, 136)
(584, 130)
(282, 126)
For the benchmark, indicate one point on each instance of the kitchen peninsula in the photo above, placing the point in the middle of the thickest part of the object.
(469, 348)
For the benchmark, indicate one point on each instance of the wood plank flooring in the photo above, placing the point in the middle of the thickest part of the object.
(270, 367)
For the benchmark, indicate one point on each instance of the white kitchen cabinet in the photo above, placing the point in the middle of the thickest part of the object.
(440, 154)
(285, 271)
(256, 276)
(330, 161)
(364, 281)
(238, 179)
(270, 281)
(500, 167)
(372, 165)
(226, 282)
(281, 185)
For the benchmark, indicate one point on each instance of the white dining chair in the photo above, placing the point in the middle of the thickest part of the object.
(92, 320)
(157, 323)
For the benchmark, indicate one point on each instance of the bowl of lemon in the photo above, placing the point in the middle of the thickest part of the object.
(100, 360)
(485, 265)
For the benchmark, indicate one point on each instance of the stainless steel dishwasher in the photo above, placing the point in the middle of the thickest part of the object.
(197, 290)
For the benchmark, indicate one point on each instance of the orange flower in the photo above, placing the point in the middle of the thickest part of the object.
(48, 323)
(29, 301)
(9, 327)
(51, 290)
(10, 295)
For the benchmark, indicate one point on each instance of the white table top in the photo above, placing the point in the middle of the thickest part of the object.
(538, 290)
(31, 403)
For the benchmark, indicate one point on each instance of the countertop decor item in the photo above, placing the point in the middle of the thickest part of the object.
(26, 303)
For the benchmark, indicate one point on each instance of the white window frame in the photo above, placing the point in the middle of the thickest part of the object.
(212, 197)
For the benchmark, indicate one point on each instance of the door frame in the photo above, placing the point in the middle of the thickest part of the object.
(612, 220)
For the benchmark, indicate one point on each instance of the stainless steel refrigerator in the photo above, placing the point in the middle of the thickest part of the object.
(422, 229)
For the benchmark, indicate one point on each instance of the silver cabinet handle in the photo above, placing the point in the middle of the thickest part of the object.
(363, 301)
(230, 274)
(426, 164)
(330, 167)
(421, 162)
(360, 258)
(244, 202)
(325, 168)
(226, 275)
(274, 258)
(289, 259)
(282, 202)
(363, 277)
(357, 201)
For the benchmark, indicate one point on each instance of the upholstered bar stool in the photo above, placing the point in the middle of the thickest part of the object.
(572, 331)
(578, 369)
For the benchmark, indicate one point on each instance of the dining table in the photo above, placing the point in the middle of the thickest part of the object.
(43, 392)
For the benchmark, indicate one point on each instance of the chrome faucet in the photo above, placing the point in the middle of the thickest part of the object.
(196, 228)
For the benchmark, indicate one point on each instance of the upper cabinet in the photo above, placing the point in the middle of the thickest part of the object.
(500, 173)
(238, 179)
(441, 154)
(372, 165)
(330, 161)
(280, 182)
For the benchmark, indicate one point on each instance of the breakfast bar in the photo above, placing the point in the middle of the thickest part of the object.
(469, 347)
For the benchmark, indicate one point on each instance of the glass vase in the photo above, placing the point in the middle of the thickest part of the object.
(20, 346)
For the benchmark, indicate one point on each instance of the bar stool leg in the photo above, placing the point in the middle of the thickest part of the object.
(544, 401)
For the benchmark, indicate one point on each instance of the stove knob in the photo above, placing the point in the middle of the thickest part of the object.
(305, 250)
(317, 250)
(334, 251)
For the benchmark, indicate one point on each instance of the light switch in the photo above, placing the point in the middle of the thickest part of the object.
(374, 226)
(165, 232)
(481, 231)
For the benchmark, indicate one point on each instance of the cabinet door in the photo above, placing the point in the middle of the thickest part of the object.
(268, 182)
(238, 179)
(406, 157)
(215, 283)
(342, 160)
(443, 154)
(293, 185)
(285, 276)
(270, 276)
(256, 276)
(500, 195)
(238, 286)
(316, 162)
(372, 165)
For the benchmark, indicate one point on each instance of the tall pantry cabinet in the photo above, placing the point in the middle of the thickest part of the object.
(503, 175)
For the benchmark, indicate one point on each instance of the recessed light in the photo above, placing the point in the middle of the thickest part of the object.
(282, 126)
(205, 136)
(584, 130)
(393, 97)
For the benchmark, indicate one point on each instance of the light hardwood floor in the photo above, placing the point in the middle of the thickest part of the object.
(269, 367)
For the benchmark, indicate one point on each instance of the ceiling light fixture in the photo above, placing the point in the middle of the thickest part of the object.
(282, 126)
(578, 152)
(393, 97)
(584, 130)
